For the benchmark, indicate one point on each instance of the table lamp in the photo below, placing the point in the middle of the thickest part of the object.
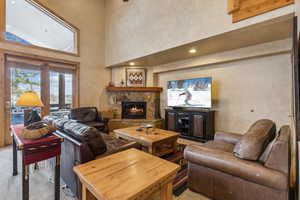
(30, 99)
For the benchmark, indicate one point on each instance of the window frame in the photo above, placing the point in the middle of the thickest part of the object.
(45, 66)
(51, 14)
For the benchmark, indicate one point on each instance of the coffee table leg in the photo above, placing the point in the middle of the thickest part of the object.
(57, 178)
(25, 179)
(86, 194)
(151, 149)
(174, 146)
(166, 192)
(15, 158)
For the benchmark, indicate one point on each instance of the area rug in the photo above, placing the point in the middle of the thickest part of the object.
(180, 182)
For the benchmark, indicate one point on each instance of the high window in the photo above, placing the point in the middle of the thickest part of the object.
(28, 23)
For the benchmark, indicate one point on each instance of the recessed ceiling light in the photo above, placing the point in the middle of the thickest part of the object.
(13, 2)
(131, 63)
(193, 51)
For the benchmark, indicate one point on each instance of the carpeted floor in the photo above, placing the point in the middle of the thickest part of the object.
(40, 186)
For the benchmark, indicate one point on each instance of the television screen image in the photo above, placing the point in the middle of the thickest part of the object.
(190, 93)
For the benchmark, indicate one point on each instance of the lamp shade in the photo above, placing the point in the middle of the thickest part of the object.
(30, 99)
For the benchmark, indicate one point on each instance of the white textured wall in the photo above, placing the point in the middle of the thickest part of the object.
(259, 84)
(142, 27)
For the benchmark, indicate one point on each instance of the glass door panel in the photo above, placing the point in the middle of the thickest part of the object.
(22, 80)
(69, 90)
(61, 93)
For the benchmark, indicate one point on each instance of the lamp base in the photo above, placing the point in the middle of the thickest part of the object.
(31, 116)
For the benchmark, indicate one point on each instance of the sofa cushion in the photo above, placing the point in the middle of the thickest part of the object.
(219, 145)
(49, 119)
(278, 158)
(228, 137)
(60, 122)
(87, 134)
(254, 142)
(95, 124)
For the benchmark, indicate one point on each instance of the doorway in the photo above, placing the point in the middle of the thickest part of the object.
(54, 82)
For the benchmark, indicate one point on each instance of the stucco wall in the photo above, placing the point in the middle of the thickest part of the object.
(257, 78)
(88, 16)
(141, 27)
(244, 91)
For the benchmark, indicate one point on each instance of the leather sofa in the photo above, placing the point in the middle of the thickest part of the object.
(242, 167)
(83, 143)
(89, 116)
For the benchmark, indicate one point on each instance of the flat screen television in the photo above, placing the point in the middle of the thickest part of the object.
(190, 93)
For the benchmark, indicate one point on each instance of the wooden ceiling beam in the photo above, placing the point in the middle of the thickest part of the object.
(233, 6)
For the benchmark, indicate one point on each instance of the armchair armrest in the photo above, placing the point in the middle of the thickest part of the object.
(232, 138)
(121, 148)
(226, 162)
(82, 151)
(103, 120)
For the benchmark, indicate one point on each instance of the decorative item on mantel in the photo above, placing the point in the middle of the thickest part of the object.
(136, 77)
(122, 83)
(111, 84)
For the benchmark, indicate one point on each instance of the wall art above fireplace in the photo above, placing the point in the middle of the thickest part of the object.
(136, 77)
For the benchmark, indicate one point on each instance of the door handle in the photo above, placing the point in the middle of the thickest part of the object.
(7, 105)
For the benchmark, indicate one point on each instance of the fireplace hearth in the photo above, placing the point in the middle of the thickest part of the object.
(134, 110)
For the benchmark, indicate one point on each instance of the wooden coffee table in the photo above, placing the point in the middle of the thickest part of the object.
(127, 175)
(158, 142)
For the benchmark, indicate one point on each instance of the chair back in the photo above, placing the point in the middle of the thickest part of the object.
(277, 154)
(84, 114)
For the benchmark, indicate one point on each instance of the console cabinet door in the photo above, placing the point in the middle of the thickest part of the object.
(198, 126)
(171, 121)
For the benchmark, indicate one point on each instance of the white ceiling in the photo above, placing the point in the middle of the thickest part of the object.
(31, 24)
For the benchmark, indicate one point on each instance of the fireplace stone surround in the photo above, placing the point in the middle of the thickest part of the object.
(152, 99)
(152, 115)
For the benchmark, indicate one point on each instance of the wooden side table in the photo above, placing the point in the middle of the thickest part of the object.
(127, 175)
(34, 151)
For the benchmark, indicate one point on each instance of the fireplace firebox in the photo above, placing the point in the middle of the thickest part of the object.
(134, 110)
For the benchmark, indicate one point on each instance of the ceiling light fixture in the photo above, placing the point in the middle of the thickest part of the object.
(131, 63)
(193, 51)
(13, 2)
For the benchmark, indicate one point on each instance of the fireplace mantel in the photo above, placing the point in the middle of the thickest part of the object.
(134, 89)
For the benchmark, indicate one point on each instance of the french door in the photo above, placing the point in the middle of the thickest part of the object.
(55, 83)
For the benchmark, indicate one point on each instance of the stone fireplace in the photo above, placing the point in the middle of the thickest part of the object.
(116, 100)
(134, 110)
(133, 107)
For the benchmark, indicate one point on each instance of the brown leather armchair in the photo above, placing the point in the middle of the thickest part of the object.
(89, 116)
(242, 167)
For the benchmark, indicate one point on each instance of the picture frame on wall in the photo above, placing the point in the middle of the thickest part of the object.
(136, 77)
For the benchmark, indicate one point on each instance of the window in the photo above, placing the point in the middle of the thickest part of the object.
(28, 23)
(55, 83)
(61, 93)
(22, 80)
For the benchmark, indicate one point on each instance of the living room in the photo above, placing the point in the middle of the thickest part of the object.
(247, 55)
